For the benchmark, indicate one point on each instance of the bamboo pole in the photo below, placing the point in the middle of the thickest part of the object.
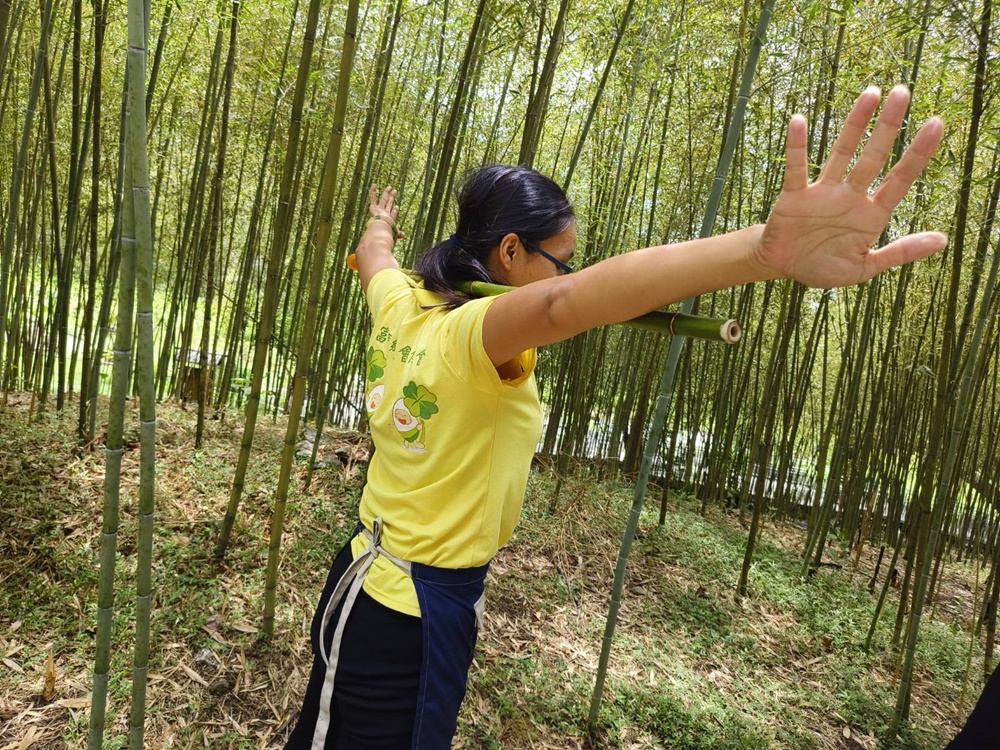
(763, 427)
(946, 421)
(137, 35)
(252, 243)
(10, 235)
(582, 139)
(11, 48)
(113, 458)
(279, 240)
(448, 141)
(114, 261)
(4, 18)
(55, 351)
(369, 133)
(726, 330)
(666, 384)
(321, 240)
(430, 164)
(92, 356)
(214, 220)
(539, 101)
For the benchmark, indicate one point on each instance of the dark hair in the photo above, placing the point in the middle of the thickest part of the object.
(494, 201)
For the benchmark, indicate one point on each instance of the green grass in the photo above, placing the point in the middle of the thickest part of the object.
(690, 666)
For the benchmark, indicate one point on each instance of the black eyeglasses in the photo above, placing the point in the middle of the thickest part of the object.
(534, 247)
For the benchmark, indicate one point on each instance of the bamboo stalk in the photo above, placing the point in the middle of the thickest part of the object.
(954, 379)
(269, 304)
(369, 133)
(113, 458)
(139, 187)
(726, 330)
(450, 136)
(92, 355)
(321, 239)
(539, 101)
(582, 139)
(10, 235)
(254, 229)
(666, 384)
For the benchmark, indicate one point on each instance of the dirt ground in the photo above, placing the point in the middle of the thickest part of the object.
(213, 682)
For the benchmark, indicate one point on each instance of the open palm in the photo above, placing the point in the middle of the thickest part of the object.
(822, 233)
(383, 206)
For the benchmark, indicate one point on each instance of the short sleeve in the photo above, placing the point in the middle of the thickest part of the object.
(466, 354)
(386, 287)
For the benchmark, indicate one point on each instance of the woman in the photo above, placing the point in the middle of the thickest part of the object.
(982, 729)
(455, 417)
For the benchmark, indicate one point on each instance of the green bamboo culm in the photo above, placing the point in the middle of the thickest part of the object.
(948, 413)
(942, 489)
(279, 241)
(626, 17)
(92, 355)
(4, 23)
(369, 135)
(726, 330)
(215, 219)
(120, 378)
(539, 101)
(450, 137)
(13, 204)
(303, 360)
(666, 384)
(137, 33)
(952, 381)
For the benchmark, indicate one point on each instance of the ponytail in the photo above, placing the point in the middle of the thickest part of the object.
(494, 201)
(445, 264)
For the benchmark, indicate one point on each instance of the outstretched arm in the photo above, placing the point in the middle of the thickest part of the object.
(374, 251)
(820, 234)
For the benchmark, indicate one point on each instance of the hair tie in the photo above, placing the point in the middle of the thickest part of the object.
(455, 243)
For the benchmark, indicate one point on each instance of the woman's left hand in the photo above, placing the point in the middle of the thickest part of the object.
(822, 233)
(374, 251)
(383, 206)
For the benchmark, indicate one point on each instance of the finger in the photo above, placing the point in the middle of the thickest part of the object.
(373, 197)
(902, 176)
(387, 194)
(796, 161)
(906, 250)
(878, 148)
(847, 142)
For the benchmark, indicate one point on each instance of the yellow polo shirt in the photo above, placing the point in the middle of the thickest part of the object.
(453, 442)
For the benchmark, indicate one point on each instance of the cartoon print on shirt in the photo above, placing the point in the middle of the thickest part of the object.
(409, 414)
(374, 397)
(410, 428)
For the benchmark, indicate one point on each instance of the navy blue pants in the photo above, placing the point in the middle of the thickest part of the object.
(400, 679)
(982, 730)
(378, 676)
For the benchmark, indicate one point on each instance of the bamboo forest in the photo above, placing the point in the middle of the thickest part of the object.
(786, 540)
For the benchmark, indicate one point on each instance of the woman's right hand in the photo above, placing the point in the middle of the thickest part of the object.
(821, 233)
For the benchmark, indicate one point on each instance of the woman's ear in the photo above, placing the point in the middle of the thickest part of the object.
(508, 250)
